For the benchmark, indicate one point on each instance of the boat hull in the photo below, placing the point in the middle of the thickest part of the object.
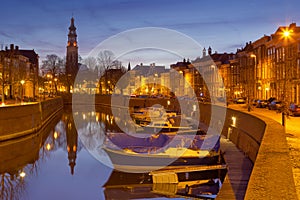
(132, 162)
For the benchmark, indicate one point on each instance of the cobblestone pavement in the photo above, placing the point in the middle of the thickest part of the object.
(12, 102)
(292, 136)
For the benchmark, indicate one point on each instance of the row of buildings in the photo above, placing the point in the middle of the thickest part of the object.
(19, 71)
(267, 67)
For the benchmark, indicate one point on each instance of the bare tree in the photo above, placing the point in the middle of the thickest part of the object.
(53, 64)
(105, 60)
(91, 62)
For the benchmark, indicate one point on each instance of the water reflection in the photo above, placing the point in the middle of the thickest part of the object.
(72, 139)
(202, 185)
(56, 159)
(21, 158)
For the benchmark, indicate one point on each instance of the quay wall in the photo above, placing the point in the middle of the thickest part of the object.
(261, 139)
(21, 120)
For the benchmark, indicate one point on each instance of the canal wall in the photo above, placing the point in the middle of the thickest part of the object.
(272, 175)
(20, 120)
(17, 153)
(261, 139)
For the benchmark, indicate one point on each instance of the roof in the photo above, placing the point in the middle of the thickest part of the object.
(149, 70)
(33, 57)
(223, 58)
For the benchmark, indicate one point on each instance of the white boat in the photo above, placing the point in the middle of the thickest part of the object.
(144, 116)
(146, 154)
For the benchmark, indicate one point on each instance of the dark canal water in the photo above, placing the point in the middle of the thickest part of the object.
(57, 163)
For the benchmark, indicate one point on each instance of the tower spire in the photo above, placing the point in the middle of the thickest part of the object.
(72, 26)
(129, 67)
(72, 54)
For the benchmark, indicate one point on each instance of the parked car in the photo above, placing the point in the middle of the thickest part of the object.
(275, 105)
(204, 99)
(271, 99)
(294, 110)
(262, 103)
(221, 99)
(254, 102)
(239, 100)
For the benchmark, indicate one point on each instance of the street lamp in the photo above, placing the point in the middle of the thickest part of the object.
(286, 35)
(267, 89)
(254, 78)
(55, 85)
(22, 83)
(168, 103)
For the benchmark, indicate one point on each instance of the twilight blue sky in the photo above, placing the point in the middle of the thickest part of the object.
(224, 25)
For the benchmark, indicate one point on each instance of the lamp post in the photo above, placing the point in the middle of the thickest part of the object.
(22, 83)
(55, 85)
(168, 103)
(286, 36)
(267, 90)
(254, 78)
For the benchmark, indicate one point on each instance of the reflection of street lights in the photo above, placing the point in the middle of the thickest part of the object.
(22, 83)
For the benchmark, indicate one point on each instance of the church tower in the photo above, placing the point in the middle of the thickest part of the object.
(72, 54)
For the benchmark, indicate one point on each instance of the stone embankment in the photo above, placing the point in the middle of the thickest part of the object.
(23, 119)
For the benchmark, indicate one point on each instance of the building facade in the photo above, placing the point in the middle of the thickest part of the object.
(18, 73)
(267, 67)
(270, 66)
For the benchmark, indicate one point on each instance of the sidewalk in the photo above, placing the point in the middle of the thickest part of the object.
(292, 136)
(11, 102)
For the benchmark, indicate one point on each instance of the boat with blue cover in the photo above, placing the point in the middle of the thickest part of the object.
(128, 152)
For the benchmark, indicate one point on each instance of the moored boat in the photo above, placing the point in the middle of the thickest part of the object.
(144, 116)
(157, 151)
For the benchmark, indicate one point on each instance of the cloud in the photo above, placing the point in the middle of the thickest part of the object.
(5, 34)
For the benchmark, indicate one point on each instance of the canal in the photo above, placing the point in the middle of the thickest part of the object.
(60, 162)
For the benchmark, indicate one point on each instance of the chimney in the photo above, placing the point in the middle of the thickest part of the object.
(209, 50)
(17, 48)
(11, 47)
(292, 25)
